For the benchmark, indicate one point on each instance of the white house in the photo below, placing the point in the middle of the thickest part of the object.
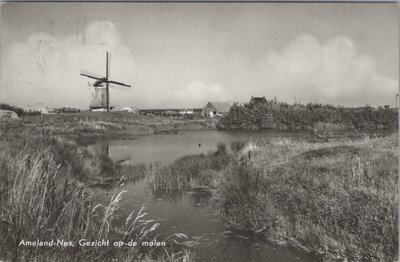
(213, 109)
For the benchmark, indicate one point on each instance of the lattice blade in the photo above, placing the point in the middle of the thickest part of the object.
(91, 75)
(118, 83)
(120, 88)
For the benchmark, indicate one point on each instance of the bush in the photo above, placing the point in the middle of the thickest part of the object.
(272, 114)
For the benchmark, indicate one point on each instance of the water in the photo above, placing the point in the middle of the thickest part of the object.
(193, 213)
(164, 149)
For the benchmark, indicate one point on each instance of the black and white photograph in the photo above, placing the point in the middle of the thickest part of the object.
(199, 131)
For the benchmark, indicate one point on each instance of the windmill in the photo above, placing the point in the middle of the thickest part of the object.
(99, 86)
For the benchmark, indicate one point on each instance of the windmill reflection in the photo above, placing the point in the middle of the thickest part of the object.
(103, 148)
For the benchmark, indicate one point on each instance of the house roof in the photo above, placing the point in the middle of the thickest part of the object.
(222, 107)
(258, 99)
(8, 114)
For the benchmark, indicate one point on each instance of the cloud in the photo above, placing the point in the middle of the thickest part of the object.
(198, 94)
(332, 72)
(45, 69)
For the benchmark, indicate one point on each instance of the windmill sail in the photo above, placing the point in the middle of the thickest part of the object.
(120, 88)
(101, 92)
(90, 74)
(118, 83)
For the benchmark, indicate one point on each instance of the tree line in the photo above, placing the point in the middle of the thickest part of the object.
(22, 112)
(279, 115)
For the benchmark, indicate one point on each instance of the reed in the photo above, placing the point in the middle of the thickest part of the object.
(42, 199)
(189, 171)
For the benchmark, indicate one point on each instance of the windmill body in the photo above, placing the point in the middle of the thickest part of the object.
(102, 89)
(99, 99)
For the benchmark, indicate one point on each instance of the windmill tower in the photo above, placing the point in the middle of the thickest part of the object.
(102, 88)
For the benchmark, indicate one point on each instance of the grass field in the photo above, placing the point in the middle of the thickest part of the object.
(335, 198)
(89, 127)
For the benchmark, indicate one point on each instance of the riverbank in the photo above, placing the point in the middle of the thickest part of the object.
(336, 199)
(44, 196)
(88, 127)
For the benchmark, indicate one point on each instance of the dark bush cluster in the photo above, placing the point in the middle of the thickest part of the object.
(17, 110)
(273, 114)
(65, 110)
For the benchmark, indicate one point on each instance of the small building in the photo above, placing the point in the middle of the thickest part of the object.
(125, 109)
(98, 109)
(39, 108)
(213, 109)
(257, 100)
(186, 112)
(8, 114)
(171, 113)
(129, 109)
(44, 110)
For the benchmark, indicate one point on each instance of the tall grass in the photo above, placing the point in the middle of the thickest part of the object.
(189, 171)
(337, 199)
(41, 199)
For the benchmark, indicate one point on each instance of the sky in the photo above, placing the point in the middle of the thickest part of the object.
(182, 55)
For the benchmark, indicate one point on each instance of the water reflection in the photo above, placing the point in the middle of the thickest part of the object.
(164, 149)
(170, 196)
(194, 213)
(104, 148)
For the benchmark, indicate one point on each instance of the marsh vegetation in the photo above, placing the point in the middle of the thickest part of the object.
(44, 195)
(334, 197)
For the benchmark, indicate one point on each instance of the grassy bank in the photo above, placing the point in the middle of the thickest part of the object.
(337, 199)
(192, 171)
(43, 195)
(88, 127)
